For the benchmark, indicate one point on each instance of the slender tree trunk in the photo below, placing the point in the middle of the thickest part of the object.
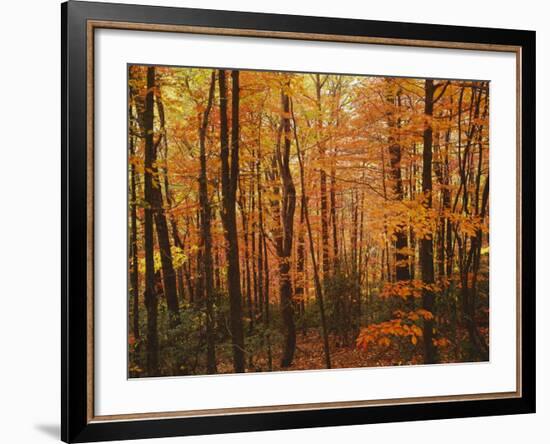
(260, 259)
(134, 270)
(230, 176)
(300, 268)
(267, 309)
(246, 259)
(175, 235)
(440, 230)
(426, 243)
(263, 265)
(284, 240)
(360, 264)
(159, 216)
(199, 278)
(323, 180)
(412, 192)
(151, 300)
(317, 280)
(254, 254)
(168, 274)
(401, 244)
(353, 309)
(335, 261)
(206, 237)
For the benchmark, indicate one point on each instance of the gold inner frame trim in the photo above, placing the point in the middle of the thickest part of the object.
(92, 25)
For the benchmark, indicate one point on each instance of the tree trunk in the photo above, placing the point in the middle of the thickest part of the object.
(263, 266)
(267, 309)
(317, 280)
(167, 265)
(206, 237)
(323, 180)
(260, 258)
(229, 179)
(401, 256)
(426, 243)
(134, 270)
(252, 191)
(284, 241)
(168, 194)
(335, 256)
(151, 300)
(300, 268)
(246, 259)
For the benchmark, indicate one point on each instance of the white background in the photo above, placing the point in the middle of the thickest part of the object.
(117, 395)
(29, 227)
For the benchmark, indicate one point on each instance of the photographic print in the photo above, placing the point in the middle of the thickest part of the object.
(284, 221)
(274, 222)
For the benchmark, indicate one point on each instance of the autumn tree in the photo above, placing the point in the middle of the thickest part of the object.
(206, 237)
(151, 299)
(229, 180)
(284, 237)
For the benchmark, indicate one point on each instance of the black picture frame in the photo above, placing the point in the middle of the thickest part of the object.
(76, 424)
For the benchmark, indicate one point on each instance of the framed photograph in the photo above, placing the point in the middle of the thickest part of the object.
(275, 221)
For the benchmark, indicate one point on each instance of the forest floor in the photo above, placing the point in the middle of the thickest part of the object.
(310, 355)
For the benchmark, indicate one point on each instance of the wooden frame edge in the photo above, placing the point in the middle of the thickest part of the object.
(303, 407)
(335, 38)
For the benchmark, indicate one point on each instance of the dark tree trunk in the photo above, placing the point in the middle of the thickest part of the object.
(163, 238)
(359, 276)
(260, 258)
(229, 178)
(263, 265)
(440, 229)
(246, 259)
(179, 270)
(255, 296)
(300, 266)
(335, 261)
(151, 300)
(352, 310)
(206, 237)
(284, 241)
(199, 278)
(401, 243)
(168, 274)
(412, 196)
(168, 194)
(402, 272)
(426, 243)
(323, 181)
(267, 307)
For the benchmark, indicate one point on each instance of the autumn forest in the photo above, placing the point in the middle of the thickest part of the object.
(297, 221)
